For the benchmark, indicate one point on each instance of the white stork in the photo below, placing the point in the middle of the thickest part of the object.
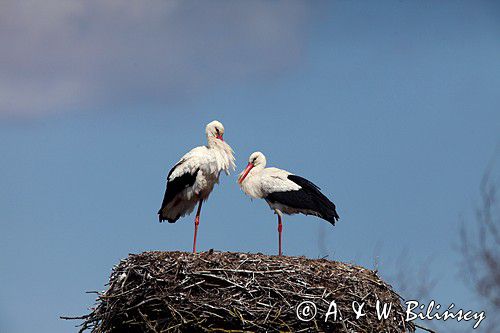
(284, 192)
(192, 179)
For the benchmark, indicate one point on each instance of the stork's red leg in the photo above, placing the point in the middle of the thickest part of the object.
(280, 228)
(196, 222)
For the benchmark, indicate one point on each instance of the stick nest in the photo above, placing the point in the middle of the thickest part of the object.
(237, 292)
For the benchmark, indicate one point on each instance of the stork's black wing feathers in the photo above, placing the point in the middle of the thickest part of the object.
(308, 197)
(174, 187)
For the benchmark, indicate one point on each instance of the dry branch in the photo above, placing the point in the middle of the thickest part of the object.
(237, 292)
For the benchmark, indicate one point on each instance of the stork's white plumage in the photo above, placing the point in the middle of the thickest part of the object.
(285, 192)
(193, 178)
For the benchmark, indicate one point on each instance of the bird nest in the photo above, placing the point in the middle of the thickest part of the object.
(238, 292)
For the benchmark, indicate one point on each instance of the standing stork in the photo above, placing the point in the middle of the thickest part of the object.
(192, 179)
(284, 192)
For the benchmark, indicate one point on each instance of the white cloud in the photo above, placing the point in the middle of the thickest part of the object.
(63, 55)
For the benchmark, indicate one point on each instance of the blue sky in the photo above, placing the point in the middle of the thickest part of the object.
(391, 108)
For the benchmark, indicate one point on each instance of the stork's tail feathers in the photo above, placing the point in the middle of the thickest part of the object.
(328, 211)
(162, 218)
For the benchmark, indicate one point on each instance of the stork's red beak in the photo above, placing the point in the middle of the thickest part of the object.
(245, 172)
(219, 136)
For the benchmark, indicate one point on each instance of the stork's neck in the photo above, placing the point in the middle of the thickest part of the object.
(213, 142)
(223, 152)
(257, 169)
(255, 172)
(252, 184)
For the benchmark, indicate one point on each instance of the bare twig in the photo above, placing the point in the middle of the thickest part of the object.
(234, 292)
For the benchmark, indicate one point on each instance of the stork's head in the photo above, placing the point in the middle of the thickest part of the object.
(256, 160)
(215, 129)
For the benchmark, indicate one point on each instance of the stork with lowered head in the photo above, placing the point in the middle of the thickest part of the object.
(192, 179)
(285, 192)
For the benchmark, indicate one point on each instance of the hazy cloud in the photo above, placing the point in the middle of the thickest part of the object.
(63, 55)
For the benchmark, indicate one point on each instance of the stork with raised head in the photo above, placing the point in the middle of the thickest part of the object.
(285, 192)
(192, 179)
